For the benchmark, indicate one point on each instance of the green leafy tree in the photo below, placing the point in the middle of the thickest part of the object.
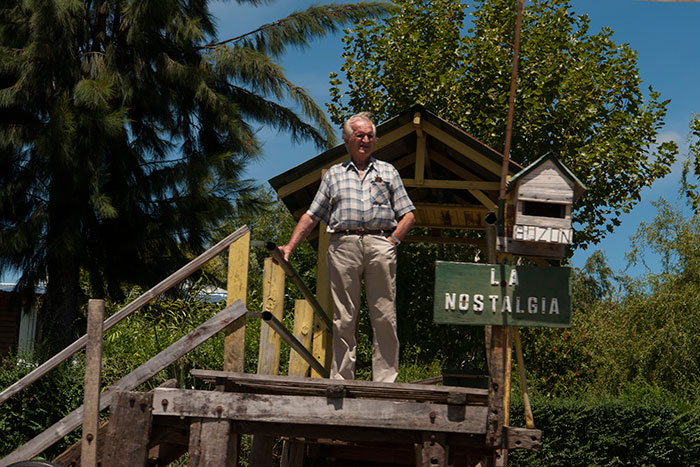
(691, 166)
(578, 97)
(124, 130)
(644, 334)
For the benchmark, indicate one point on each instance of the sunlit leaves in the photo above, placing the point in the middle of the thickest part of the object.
(579, 95)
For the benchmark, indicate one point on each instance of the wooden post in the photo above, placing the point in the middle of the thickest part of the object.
(269, 354)
(529, 418)
(91, 400)
(434, 453)
(272, 301)
(292, 453)
(421, 150)
(234, 341)
(498, 359)
(237, 289)
(323, 338)
(129, 430)
(292, 450)
(303, 324)
(211, 444)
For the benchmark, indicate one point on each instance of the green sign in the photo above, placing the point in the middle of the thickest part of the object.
(498, 294)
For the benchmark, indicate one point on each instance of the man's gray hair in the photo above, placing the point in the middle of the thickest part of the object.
(347, 129)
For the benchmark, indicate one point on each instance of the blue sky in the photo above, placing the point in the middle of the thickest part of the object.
(665, 34)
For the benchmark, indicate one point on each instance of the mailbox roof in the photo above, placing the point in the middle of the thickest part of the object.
(579, 187)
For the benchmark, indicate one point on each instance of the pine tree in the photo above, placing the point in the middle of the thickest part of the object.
(124, 130)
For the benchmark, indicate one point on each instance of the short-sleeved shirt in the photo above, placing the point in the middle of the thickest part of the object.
(375, 202)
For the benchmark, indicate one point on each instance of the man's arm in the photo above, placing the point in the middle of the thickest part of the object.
(404, 225)
(302, 230)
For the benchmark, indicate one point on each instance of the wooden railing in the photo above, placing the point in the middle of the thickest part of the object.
(113, 320)
(232, 319)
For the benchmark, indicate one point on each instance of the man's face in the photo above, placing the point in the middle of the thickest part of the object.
(361, 141)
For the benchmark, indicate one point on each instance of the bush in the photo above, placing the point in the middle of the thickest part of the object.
(42, 404)
(635, 429)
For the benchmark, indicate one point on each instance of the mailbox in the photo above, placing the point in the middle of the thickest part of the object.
(542, 196)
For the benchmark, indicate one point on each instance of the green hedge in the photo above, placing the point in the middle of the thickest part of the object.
(604, 432)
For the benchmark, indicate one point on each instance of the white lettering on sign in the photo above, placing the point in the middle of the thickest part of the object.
(478, 303)
(494, 300)
(534, 305)
(513, 277)
(513, 280)
(536, 233)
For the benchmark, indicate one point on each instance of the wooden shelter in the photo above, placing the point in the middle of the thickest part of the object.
(452, 178)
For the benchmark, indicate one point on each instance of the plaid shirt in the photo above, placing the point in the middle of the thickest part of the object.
(343, 201)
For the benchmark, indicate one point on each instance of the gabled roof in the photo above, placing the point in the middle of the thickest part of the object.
(451, 177)
(579, 187)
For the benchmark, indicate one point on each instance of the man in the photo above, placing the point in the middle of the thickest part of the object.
(368, 212)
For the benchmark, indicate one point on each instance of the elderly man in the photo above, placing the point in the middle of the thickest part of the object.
(368, 212)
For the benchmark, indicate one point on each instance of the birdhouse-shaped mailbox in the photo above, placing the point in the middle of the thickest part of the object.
(542, 195)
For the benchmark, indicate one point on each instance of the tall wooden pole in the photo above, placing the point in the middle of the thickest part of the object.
(93, 368)
(502, 334)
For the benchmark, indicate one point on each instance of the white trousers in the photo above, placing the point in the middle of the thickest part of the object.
(350, 257)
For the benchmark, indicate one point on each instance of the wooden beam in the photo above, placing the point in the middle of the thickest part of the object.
(404, 161)
(480, 242)
(311, 177)
(236, 289)
(287, 385)
(453, 167)
(462, 148)
(113, 320)
(451, 184)
(370, 413)
(419, 172)
(421, 150)
(93, 369)
(139, 376)
(466, 175)
(292, 341)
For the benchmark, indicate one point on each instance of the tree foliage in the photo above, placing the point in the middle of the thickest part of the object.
(579, 93)
(629, 331)
(124, 130)
(691, 166)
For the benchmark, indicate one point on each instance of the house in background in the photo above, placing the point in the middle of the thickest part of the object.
(18, 321)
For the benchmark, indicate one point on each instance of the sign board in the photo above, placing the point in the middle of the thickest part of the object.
(499, 294)
(535, 233)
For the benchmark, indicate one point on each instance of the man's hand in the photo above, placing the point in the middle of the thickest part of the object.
(301, 231)
(286, 251)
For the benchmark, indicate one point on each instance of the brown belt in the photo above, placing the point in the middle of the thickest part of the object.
(362, 232)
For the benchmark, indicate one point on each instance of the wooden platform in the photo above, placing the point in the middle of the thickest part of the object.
(319, 419)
